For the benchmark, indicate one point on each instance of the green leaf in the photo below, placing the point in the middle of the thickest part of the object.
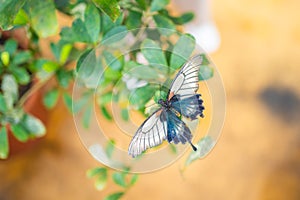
(90, 75)
(76, 33)
(74, 54)
(101, 174)
(105, 113)
(86, 119)
(98, 171)
(183, 19)
(22, 57)
(205, 72)
(125, 114)
(38, 67)
(165, 25)
(100, 184)
(119, 179)
(5, 58)
(142, 4)
(157, 5)
(182, 50)
(50, 66)
(153, 53)
(111, 61)
(133, 20)
(64, 77)
(107, 24)
(79, 104)
(141, 96)
(9, 87)
(50, 98)
(3, 107)
(55, 48)
(112, 75)
(64, 53)
(10, 46)
(68, 101)
(205, 60)
(21, 18)
(84, 31)
(114, 196)
(21, 75)
(134, 179)
(20, 132)
(42, 17)
(101, 180)
(105, 98)
(110, 147)
(4, 148)
(33, 125)
(92, 22)
(144, 72)
(82, 58)
(8, 11)
(114, 35)
(109, 7)
(204, 146)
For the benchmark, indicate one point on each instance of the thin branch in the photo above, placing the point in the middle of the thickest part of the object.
(32, 90)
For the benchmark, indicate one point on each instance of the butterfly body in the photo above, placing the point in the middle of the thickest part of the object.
(166, 122)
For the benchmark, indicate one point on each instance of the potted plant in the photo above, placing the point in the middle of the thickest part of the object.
(18, 118)
(92, 23)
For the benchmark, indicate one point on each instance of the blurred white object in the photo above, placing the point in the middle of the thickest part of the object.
(202, 27)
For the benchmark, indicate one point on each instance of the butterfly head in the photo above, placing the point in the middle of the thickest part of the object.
(163, 103)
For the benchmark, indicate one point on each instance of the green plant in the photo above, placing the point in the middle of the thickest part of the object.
(15, 73)
(94, 22)
(122, 179)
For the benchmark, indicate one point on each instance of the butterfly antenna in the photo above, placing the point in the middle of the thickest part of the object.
(194, 148)
(159, 91)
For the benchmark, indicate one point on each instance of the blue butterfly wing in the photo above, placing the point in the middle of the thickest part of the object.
(177, 130)
(151, 133)
(190, 107)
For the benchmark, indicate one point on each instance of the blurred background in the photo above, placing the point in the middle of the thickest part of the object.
(258, 154)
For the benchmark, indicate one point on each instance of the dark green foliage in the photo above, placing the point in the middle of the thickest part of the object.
(86, 31)
(42, 17)
(109, 7)
(8, 11)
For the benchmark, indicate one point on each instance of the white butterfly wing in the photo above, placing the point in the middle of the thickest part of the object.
(186, 81)
(151, 133)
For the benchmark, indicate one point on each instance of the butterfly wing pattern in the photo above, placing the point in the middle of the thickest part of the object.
(166, 123)
(186, 81)
(151, 133)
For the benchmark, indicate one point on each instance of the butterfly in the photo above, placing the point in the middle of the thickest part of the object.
(165, 123)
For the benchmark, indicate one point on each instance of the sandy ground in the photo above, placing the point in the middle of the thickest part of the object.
(258, 154)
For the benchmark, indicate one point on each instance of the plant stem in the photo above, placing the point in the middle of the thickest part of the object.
(147, 18)
(32, 90)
